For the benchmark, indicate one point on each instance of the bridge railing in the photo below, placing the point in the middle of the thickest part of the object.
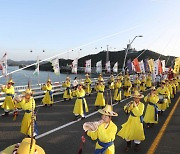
(57, 89)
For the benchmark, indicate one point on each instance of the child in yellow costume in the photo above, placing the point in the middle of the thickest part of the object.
(164, 95)
(151, 114)
(87, 83)
(8, 103)
(127, 87)
(28, 105)
(100, 101)
(80, 106)
(133, 129)
(111, 82)
(117, 92)
(48, 97)
(143, 83)
(67, 92)
(105, 132)
(149, 81)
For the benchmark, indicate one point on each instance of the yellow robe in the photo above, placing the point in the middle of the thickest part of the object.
(137, 83)
(117, 92)
(88, 82)
(26, 121)
(111, 85)
(163, 91)
(178, 80)
(79, 106)
(104, 135)
(149, 116)
(143, 85)
(48, 99)
(100, 101)
(8, 103)
(133, 128)
(67, 85)
(128, 84)
(148, 81)
(173, 89)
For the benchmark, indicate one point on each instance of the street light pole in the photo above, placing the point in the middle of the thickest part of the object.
(127, 49)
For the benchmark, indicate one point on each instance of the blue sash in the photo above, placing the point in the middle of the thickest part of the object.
(50, 93)
(83, 105)
(104, 147)
(141, 117)
(156, 111)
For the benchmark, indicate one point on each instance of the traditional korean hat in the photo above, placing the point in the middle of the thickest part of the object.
(108, 110)
(163, 82)
(137, 95)
(49, 80)
(153, 88)
(11, 81)
(86, 74)
(67, 78)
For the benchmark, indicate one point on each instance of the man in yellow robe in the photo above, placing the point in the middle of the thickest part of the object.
(133, 130)
(105, 132)
(67, 93)
(87, 83)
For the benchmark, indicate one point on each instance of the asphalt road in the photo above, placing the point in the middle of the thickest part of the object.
(66, 138)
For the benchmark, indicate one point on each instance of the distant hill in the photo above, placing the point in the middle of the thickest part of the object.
(114, 56)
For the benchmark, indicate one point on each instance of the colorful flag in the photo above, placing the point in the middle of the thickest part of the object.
(146, 65)
(3, 65)
(156, 64)
(160, 70)
(115, 67)
(108, 67)
(99, 67)
(136, 65)
(177, 66)
(151, 65)
(88, 66)
(74, 66)
(141, 64)
(129, 65)
(36, 72)
(55, 64)
(163, 65)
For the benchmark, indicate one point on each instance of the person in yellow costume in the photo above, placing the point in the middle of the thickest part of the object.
(136, 84)
(178, 80)
(117, 92)
(173, 88)
(100, 101)
(27, 146)
(170, 90)
(100, 78)
(127, 87)
(111, 82)
(87, 83)
(151, 114)
(120, 76)
(105, 133)
(48, 97)
(149, 80)
(28, 105)
(80, 106)
(133, 130)
(67, 92)
(143, 83)
(8, 103)
(164, 95)
(176, 84)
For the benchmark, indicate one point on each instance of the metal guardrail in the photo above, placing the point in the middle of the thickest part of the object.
(57, 89)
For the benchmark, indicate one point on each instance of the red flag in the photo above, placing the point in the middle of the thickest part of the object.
(160, 67)
(136, 65)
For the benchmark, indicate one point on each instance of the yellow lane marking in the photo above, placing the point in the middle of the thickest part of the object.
(156, 141)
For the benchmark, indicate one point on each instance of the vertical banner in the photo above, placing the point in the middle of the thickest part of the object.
(146, 65)
(88, 66)
(156, 64)
(36, 72)
(115, 67)
(99, 67)
(151, 65)
(141, 63)
(176, 66)
(3, 65)
(136, 65)
(108, 67)
(160, 70)
(55, 64)
(129, 65)
(163, 65)
(74, 66)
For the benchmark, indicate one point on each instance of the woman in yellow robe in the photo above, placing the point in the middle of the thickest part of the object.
(151, 114)
(80, 106)
(67, 92)
(105, 133)
(28, 105)
(133, 130)
(111, 82)
(48, 97)
(164, 95)
(8, 103)
(127, 87)
(87, 83)
(100, 101)
(149, 80)
(143, 84)
(117, 92)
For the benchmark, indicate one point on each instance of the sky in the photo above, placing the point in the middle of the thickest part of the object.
(75, 28)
